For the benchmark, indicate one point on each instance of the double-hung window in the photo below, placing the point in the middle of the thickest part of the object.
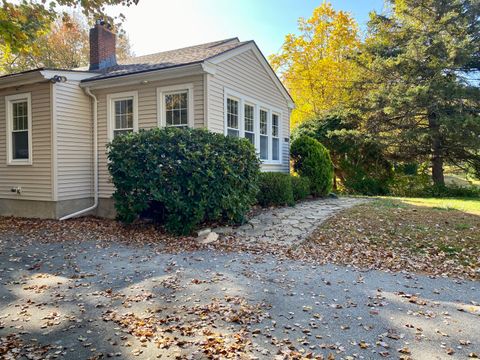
(249, 122)
(275, 137)
(176, 109)
(233, 128)
(263, 134)
(175, 106)
(19, 129)
(123, 113)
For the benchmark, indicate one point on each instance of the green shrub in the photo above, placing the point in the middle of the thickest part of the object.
(312, 160)
(300, 187)
(275, 189)
(183, 177)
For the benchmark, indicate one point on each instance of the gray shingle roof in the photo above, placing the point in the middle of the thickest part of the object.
(168, 59)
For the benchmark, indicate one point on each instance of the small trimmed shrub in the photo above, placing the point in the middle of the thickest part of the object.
(312, 160)
(300, 187)
(275, 189)
(183, 177)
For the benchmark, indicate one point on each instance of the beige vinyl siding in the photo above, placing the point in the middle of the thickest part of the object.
(245, 74)
(147, 116)
(73, 142)
(35, 180)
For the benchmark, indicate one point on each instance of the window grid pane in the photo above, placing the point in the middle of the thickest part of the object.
(249, 122)
(264, 147)
(275, 149)
(20, 145)
(176, 109)
(123, 114)
(20, 116)
(275, 125)
(232, 113)
(263, 122)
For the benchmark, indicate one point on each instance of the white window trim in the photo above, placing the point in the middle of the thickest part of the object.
(162, 91)
(243, 99)
(111, 98)
(9, 116)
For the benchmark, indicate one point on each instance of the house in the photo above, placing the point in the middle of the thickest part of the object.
(55, 124)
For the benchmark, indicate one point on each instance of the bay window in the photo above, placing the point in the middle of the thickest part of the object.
(257, 122)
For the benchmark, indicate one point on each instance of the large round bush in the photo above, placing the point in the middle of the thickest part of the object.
(312, 160)
(183, 177)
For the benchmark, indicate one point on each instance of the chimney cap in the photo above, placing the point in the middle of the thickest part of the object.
(103, 23)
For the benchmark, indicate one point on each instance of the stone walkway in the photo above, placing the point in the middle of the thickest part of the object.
(290, 225)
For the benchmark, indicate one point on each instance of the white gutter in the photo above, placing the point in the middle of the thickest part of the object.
(95, 161)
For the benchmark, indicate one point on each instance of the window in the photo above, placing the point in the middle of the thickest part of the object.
(19, 129)
(257, 122)
(175, 105)
(122, 113)
(275, 137)
(123, 117)
(250, 123)
(263, 135)
(176, 109)
(232, 118)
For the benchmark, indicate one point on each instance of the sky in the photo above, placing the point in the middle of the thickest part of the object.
(159, 25)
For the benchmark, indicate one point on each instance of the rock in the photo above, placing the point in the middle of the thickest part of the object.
(209, 238)
(204, 232)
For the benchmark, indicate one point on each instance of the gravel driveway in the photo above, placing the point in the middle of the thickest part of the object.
(93, 300)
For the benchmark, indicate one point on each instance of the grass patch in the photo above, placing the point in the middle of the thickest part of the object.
(467, 205)
(431, 236)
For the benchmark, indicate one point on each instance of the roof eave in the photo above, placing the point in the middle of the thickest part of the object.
(145, 76)
(23, 78)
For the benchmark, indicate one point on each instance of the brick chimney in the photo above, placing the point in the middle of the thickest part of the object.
(102, 46)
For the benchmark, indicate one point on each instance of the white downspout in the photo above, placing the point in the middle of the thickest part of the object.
(95, 161)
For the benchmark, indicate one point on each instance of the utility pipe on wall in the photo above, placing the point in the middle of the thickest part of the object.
(95, 161)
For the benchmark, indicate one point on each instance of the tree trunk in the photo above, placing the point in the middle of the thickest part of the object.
(437, 151)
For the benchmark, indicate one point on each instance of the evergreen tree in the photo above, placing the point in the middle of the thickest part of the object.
(421, 61)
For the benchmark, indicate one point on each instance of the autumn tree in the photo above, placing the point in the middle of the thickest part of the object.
(420, 63)
(65, 46)
(24, 23)
(316, 65)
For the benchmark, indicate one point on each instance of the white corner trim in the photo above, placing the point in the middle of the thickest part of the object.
(9, 118)
(111, 111)
(261, 58)
(206, 99)
(53, 102)
(162, 91)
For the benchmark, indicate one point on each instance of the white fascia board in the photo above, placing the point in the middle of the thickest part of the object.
(209, 67)
(70, 75)
(258, 54)
(149, 76)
